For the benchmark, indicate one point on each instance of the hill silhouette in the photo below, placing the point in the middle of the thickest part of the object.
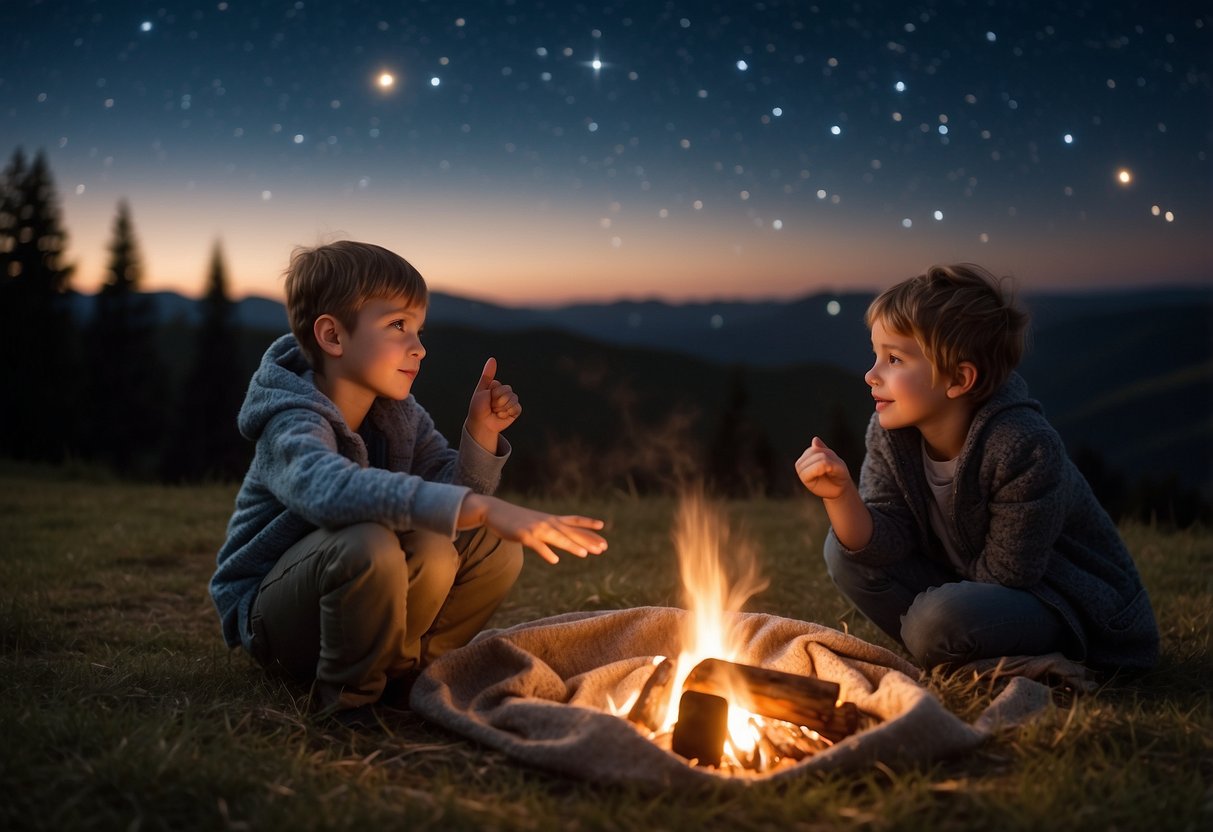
(1127, 377)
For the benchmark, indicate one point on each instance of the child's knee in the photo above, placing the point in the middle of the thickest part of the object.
(433, 562)
(837, 565)
(937, 629)
(507, 562)
(851, 577)
(367, 548)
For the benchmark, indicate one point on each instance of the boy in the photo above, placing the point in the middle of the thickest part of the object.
(362, 546)
(971, 534)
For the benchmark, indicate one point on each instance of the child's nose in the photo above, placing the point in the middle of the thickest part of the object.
(870, 376)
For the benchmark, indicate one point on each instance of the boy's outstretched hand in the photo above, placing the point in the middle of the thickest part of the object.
(822, 471)
(494, 407)
(536, 530)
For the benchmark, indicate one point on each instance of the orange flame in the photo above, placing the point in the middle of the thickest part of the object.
(715, 589)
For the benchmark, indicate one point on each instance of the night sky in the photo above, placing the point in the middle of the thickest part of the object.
(537, 152)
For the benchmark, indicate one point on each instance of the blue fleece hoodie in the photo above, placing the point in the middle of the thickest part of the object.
(310, 471)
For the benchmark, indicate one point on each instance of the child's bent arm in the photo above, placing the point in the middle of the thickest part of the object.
(825, 474)
(850, 518)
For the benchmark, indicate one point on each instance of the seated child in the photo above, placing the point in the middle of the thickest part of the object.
(971, 534)
(362, 546)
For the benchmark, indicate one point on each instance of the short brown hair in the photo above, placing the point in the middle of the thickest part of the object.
(337, 279)
(958, 313)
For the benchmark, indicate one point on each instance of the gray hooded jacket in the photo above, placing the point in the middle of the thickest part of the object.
(1023, 516)
(311, 471)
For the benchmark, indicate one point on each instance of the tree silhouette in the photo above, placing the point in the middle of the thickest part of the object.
(127, 380)
(205, 443)
(39, 371)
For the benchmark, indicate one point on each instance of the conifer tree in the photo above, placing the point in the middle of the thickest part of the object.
(128, 384)
(205, 442)
(36, 333)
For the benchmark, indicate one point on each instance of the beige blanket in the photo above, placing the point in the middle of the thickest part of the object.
(539, 692)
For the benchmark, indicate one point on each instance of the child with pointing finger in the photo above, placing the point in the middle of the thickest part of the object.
(971, 535)
(362, 546)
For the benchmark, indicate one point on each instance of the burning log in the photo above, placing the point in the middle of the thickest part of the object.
(702, 727)
(802, 700)
(649, 709)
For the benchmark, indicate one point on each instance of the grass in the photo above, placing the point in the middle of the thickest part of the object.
(122, 709)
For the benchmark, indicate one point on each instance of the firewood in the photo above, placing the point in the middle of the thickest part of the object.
(650, 705)
(801, 700)
(703, 725)
(780, 736)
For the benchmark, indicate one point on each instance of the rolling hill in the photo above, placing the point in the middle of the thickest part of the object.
(1127, 376)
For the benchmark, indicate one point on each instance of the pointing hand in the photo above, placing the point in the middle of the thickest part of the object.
(494, 407)
(822, 471)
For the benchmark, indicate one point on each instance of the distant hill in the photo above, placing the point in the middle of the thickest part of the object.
(1127, 375)
(255, 313)
(1133, 384)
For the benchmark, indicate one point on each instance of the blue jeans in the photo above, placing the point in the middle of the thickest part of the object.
(942, 619)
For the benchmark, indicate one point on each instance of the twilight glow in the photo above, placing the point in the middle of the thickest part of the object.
(530, 152)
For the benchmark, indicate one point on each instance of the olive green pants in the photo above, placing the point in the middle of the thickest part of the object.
(353, 608)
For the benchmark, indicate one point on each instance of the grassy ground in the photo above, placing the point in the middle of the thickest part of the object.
(121, 708)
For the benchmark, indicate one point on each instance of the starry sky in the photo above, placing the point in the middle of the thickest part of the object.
(540, 152)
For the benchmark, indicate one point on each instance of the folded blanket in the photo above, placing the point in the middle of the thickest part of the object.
(540, 692)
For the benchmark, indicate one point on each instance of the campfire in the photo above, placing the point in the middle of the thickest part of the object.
(705, 705)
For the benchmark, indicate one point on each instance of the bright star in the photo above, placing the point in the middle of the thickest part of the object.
(386, 80)
(597, 64)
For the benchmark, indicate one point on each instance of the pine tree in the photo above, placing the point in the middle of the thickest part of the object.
(205, 442)
(39, 369)
(128, 384)
(32, 239)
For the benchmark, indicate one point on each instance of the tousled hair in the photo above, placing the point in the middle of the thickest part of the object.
(958, 313)
(338, 279)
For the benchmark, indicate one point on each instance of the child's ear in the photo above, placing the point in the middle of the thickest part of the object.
(328, 335)
(963, 380)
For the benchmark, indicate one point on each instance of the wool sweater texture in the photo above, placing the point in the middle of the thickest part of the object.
(1023, 516)
(310, 470)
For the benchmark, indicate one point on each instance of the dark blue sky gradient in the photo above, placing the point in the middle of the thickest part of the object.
(506, 165)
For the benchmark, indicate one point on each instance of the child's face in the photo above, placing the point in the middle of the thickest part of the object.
(383, 354)
(906, 392)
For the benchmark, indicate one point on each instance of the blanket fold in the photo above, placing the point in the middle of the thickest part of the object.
(541, 693)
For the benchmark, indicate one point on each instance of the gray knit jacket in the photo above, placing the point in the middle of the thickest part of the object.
(1023, 517)
(310, 471)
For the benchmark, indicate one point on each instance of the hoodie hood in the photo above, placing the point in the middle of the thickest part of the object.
(1012, 394)
(283, 381)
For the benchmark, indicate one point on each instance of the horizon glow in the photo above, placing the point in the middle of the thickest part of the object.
(766, 152)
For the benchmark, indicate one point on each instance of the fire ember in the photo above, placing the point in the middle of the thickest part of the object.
(782, 717)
